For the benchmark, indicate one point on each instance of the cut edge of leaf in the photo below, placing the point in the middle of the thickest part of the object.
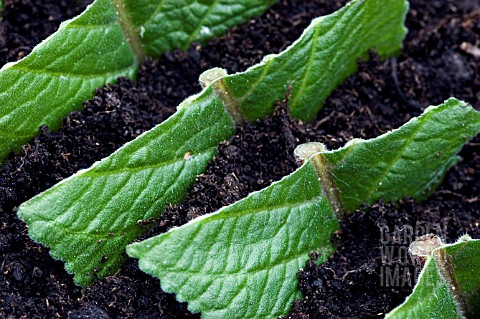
(436, 258)
(139, 249)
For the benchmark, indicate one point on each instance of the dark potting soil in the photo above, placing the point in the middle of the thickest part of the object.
(438, 61)
(27, 22)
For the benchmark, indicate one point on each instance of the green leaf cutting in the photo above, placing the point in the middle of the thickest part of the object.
(258, 237)
(248, 253)
(408, 162)
(102, 203)
(61, 73)
(162, 26)
(107, 41)
(448, 286)
(324, 56)
(97, 210)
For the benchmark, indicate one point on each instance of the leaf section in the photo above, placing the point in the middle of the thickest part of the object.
(205, 261)
(431, 298)
(165, 25)
(82, 210)
(60, 73)
(89, 218)
(102, 44)
(324, 56)
(448, 286)
(464, 261)
(242, 261)
(407, 162)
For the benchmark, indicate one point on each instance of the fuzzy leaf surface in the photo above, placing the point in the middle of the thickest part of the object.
(105, 42)
(406, 162)
(62, 72)
(89, 218)
(448, 286)
(242, 261)
(324, 56)
(165, 25)
(204, 261)
(40, 212)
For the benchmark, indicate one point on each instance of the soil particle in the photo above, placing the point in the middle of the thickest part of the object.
(383, 95)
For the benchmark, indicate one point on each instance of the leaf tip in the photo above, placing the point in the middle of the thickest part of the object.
(132, 250)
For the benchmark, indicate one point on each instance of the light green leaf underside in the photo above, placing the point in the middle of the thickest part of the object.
(407, 162)
(242, 261)
(183, 21)
(433, 296)
(94, 213)
(61, 73)
(96, 48)
(322, 58)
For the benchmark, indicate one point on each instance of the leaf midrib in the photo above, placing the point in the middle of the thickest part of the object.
(200, 23)
(242, 272)
(130, 30)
